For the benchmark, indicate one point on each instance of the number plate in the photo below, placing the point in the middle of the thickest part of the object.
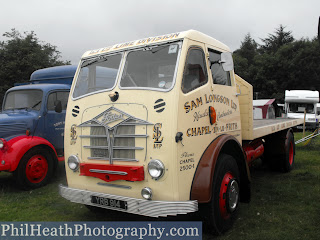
(109, 202)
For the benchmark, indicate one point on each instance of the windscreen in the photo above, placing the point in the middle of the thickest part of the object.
(97, 74)
(151, 67)
(301, 107)
(23, 99)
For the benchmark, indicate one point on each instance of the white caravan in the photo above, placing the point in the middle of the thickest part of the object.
(297, 102)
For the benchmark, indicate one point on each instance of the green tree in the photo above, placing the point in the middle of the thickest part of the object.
(280, 64)
(248, 49)
(274, 41)
(22, 54)
(244, 58)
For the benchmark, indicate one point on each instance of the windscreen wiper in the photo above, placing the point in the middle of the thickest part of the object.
(36, 104)
(158, 48)
(92, 61)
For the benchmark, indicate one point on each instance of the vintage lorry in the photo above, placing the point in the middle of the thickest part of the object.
(32, 126)
(164, 127)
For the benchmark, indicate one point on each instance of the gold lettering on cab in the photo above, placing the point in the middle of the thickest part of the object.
(207, 99)
(191, 132)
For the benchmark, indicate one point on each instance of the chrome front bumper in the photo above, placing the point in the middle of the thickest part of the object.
(136, 206)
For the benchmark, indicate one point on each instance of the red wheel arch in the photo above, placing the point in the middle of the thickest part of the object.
(201, 188)
(19, 146)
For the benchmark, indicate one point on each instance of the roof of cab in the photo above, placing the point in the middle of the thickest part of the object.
(43, 87)
(190, 34)
(66, 71)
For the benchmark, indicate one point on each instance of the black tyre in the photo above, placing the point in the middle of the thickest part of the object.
(35, 169)
(280, 150)
(223, 208)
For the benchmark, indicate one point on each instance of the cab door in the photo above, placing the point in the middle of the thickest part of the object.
(193, 113)
(224, 98)
(54, 121)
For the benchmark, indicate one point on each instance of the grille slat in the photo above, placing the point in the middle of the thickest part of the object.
(114, 147)
(116, 136)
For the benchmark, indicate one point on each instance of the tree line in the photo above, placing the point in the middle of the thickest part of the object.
(21, 54)
(280, 63)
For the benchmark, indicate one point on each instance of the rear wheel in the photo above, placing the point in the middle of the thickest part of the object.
(280, 150)
(35, 169)
(287, 159)
(224, 203)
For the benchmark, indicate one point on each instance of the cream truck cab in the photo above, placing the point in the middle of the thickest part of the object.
(162, 126)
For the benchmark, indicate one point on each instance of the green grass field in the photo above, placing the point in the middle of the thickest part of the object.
(283, 206)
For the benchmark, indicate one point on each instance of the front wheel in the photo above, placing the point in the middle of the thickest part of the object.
(35, 169)
(224, 204)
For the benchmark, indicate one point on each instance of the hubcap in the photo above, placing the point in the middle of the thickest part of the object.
(229, 195)
(37, 168)
(232, 195)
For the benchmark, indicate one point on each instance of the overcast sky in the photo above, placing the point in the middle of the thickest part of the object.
(75, 26)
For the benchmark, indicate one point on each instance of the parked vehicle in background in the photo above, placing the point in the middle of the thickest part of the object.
(167, 127)
(302, 104)
(32, 126)
(265, 109)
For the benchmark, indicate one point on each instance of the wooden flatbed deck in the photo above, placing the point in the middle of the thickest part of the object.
(268, 126)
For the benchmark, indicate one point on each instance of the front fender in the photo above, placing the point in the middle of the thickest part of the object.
(201, 189)
(17, 147)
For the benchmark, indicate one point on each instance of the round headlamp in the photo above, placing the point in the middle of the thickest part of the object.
(156, 169)
(2, 143)
(73, 163)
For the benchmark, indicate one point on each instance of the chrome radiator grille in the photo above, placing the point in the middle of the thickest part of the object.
(114, 138)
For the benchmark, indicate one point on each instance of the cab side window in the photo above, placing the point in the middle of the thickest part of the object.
(53, 97)
(195, 74)
(219, 76)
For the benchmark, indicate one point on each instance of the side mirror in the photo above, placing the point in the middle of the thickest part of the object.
(58, 106)
(227, 61)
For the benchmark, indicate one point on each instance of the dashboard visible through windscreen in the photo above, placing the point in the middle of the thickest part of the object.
(150, 67)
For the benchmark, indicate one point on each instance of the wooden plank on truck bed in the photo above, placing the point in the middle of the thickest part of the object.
(265, 127)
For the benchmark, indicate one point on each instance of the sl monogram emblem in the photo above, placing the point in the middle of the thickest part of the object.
(157, 135)
(73, 134)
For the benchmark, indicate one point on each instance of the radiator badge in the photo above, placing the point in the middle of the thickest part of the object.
(113, 117)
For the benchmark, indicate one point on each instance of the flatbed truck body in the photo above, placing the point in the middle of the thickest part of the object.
(164, 127)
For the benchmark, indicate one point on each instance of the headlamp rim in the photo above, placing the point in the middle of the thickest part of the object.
(160, 166)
